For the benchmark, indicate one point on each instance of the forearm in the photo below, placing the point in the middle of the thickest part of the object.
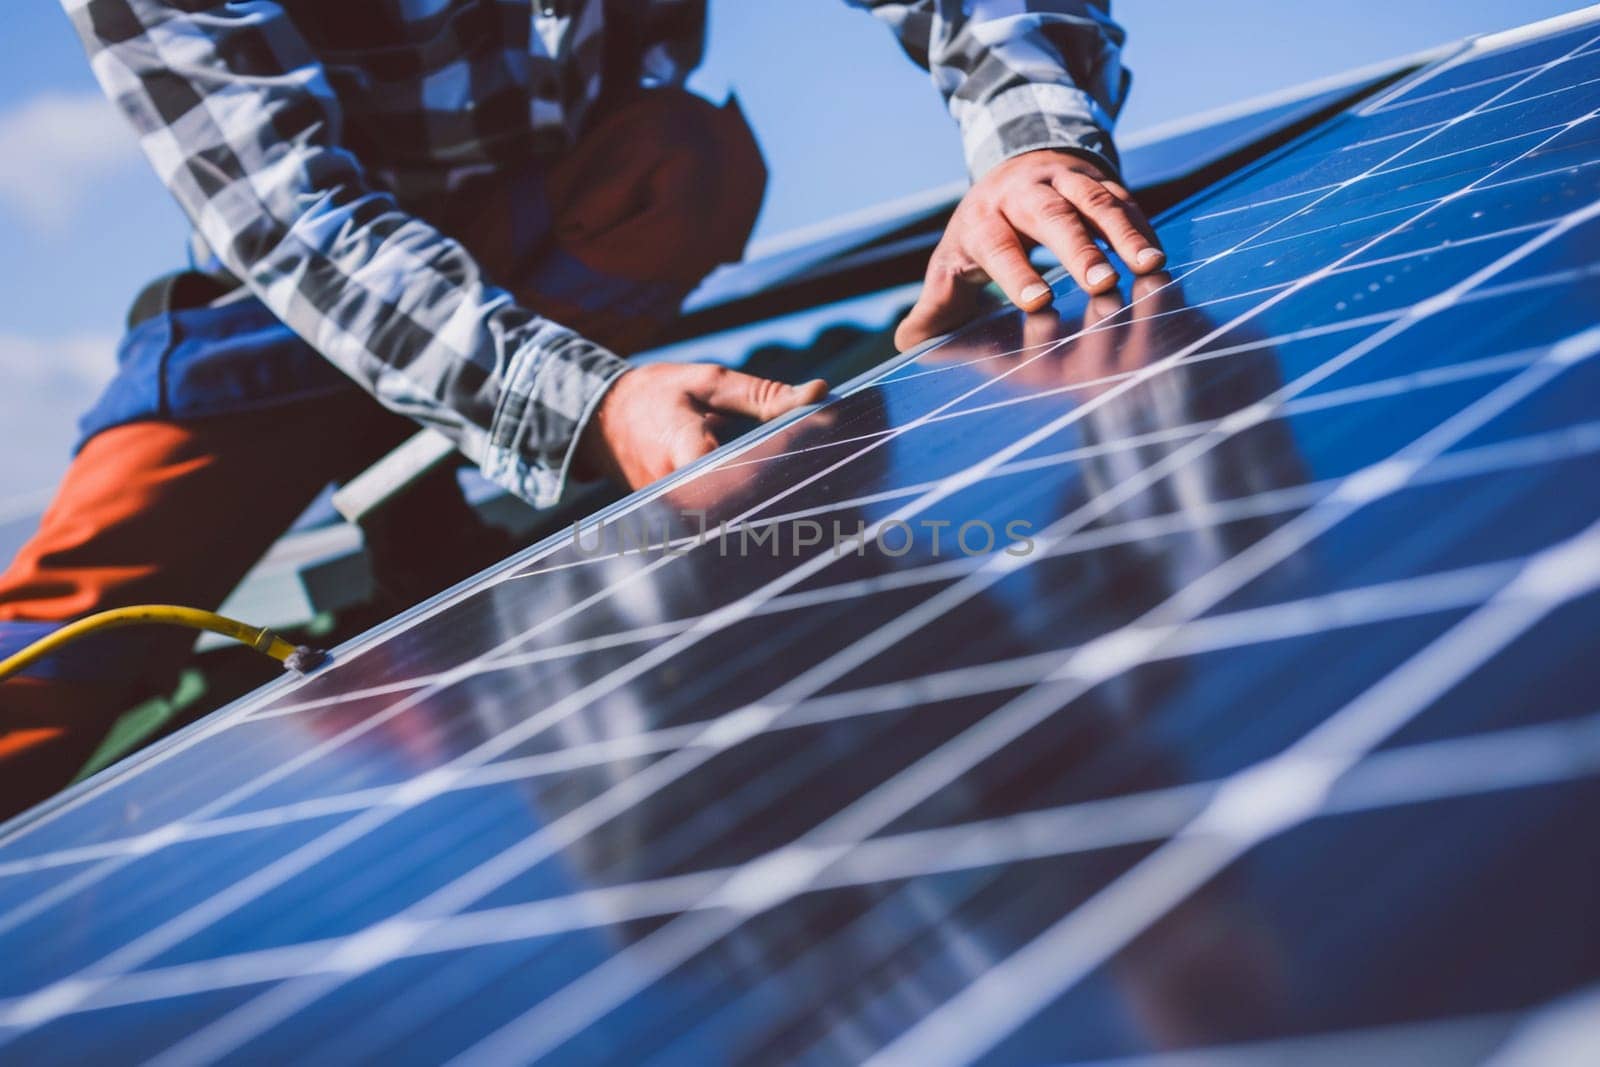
(237, 117)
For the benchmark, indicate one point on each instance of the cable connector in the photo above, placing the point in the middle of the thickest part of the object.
(298, 658)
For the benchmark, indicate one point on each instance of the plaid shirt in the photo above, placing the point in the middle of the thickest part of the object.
(297, 135)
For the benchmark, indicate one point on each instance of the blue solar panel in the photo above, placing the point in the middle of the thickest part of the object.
(1242, 705)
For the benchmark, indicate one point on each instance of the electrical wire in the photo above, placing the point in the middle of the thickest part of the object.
(294, 657)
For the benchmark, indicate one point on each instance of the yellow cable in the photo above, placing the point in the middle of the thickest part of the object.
(297, 658)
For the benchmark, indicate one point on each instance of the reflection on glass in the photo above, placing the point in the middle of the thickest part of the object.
(852, 983)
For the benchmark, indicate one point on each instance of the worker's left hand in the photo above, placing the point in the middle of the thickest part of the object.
(654, 419)
(1050, 198)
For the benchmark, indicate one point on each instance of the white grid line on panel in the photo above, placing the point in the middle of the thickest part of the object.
(1542, 281)
(594, 994)
(1533, 450)
(1502, 760)
(1364, 605)
(1251, 808)
(263, 1011)
(199, 735)
(1486, 111)
(1401, 102)
(597, 992)
(1350, 395)
(1389, 173)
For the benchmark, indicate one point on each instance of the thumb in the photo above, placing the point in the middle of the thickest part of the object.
(946, 301)
(762, 398)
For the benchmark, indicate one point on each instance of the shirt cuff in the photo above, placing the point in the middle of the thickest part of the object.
(551, 390)
(1032, 117)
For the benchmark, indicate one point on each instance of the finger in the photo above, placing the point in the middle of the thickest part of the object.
(760, 398)
(995, 247)
(1111, 216)
(1135, 214)
(1050, 219)
(1042, 328)
(1096, 348)
(1155, 293)
(1033, 363)
(1102, 308)
(947, 300)
(1111, 209)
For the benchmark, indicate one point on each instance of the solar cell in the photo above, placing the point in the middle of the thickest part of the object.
(1276, 739)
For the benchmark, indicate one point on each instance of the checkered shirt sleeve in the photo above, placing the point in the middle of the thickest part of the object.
(1019, 75)
(237, 115)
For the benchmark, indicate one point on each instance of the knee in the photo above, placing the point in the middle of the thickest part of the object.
(663, 186)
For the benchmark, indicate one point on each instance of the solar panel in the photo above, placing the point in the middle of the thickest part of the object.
(1242, 707)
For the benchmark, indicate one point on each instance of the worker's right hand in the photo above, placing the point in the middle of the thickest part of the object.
(653, 420)
(1044, 197)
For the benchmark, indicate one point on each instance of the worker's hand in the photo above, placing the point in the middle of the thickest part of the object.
(1050, 198)
(655, 419)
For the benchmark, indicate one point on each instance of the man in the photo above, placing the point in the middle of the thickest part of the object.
(456, 213)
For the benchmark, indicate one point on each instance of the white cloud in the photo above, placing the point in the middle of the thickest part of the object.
(74, 364)
(50, 382)
(54, 150)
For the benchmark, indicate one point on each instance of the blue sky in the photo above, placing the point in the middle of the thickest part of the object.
(845, 120)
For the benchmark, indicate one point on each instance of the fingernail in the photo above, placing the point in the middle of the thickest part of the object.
(1099, 274)
(1034, 292)
(1148, 256)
